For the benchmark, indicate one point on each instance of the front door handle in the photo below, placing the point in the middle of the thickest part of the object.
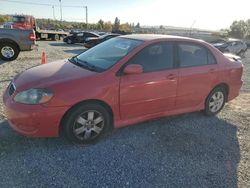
(211, 70)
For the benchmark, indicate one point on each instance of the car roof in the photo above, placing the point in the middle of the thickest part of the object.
(91, 33)
(149, 37)
(111, 34)
(234, 40)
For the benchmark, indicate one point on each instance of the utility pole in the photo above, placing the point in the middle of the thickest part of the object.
(53, 7)
(86, 16)
(61, 8)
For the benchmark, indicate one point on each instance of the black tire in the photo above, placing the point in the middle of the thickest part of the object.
(212, 110)
(69, 41)
(241, 53)
(56, 37)
(78, 117)
(12, 47)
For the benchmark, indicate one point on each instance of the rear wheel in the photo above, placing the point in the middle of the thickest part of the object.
(56, 37)
(86, 123)
(215, 101)
(8, 51)
(69, 41)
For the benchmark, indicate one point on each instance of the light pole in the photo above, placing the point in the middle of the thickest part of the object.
(191, 27)
(61, 8)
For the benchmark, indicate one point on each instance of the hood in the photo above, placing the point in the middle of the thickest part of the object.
(44, 76)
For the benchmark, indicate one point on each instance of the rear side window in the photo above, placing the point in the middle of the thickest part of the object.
(194, 55)
(210, 58)
(155, 57)
(90, 35)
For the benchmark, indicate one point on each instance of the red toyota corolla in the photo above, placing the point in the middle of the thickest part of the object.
(123, 81)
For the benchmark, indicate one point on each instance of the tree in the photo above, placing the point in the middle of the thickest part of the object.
(116, 25)
(239, 29)
(107, 26)
(137, 25)
(4, 18)
(100, 24)
(125, 27)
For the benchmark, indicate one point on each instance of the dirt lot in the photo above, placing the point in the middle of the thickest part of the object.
(183, 151)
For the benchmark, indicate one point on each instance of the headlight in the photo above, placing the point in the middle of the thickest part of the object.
(34, 96)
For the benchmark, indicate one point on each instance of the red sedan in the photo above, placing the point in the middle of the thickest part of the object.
(123, 81)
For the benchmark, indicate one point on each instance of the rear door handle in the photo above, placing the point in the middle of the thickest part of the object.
(171, 76)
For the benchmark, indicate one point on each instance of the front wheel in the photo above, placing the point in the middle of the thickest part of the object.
(86, 123)
(215, 101)
(241, 53)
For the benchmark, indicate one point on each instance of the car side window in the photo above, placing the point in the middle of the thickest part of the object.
(80, 34)
(194, 55)
(210, 58)
(91, 35)
(155, 57)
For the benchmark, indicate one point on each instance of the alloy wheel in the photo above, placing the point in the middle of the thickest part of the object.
(88, 125)
(216, 101)
(7, 52)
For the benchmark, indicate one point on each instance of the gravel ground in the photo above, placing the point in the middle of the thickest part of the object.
(189, 150)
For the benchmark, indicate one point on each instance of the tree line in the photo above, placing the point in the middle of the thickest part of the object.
(66, 25)
(238, 29)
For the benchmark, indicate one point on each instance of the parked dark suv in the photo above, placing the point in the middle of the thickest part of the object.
(79, 37)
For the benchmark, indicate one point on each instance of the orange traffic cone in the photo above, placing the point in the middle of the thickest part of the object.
(43, 59)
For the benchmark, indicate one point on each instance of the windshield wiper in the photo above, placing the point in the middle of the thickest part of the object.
(86, 64)
(82, 63)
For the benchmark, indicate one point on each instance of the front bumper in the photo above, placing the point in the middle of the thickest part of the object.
(33, 120)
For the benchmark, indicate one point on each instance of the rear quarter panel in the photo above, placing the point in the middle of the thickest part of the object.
(21, 37)
(230, 73)
(233, 73)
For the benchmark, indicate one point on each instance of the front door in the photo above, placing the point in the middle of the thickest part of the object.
(154, 90)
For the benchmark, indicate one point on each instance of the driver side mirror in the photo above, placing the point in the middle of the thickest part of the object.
(133, 69)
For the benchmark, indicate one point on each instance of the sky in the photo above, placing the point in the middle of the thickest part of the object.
(203, 14)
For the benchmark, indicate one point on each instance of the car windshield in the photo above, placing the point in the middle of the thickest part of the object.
(106, 54)
(18, 19)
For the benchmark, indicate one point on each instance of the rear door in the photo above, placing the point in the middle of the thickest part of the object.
(197, 74)
(79, 37)
(87, 35)
(154, 90)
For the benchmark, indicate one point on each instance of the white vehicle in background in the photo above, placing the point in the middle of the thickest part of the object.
(234, 46)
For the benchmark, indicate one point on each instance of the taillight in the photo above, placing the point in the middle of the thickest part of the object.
(32, 36)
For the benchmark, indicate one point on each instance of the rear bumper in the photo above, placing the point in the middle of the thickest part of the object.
(234, 90)
(34, 46)
(28, 47)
